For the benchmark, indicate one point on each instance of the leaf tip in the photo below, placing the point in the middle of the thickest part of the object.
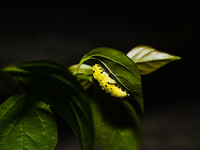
(175, 58)
(178, 58)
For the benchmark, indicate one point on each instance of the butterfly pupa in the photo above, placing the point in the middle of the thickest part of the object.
(107, 84)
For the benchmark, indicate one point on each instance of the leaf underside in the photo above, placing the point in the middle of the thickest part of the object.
(84, 74)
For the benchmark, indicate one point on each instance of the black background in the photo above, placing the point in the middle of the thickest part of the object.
(66, 32)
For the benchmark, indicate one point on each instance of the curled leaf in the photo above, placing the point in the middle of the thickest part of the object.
(84, 74)
(120, 67)
(83, 70)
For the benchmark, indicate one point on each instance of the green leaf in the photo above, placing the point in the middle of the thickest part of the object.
(121, 68)
(26, 123)
(149, 59)
(85, 83)
(57, 87)
(83, 70)
(116, 124)
(84, 74)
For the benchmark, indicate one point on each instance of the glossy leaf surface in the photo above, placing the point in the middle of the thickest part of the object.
(149, 59)
(26, 123)
(116, 124)
(121, 68)
(57, 87)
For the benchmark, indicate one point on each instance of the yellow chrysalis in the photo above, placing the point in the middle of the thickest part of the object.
(107, 84)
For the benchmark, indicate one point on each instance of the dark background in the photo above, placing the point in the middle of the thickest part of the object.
(66, 32)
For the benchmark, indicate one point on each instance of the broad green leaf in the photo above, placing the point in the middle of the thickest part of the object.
(148, 59)
(120, 67)
(84, 74)
(116, 124)
(59, 88)
(26, 123)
